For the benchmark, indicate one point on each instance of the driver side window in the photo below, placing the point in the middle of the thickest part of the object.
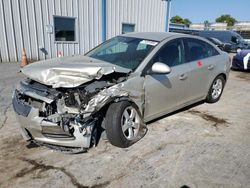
(171, 54)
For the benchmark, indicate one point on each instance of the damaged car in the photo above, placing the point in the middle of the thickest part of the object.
(117, 88)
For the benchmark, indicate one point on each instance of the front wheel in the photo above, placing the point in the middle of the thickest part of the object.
(216, 89)
(123, 124)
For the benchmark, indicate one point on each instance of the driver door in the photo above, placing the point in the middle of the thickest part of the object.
(166, 92)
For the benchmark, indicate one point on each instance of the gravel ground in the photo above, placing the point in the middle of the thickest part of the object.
(203, 146)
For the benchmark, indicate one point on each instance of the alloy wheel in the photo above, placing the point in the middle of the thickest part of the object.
(217, 88)
(130, 122)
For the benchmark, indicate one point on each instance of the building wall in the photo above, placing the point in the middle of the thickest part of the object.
(211, 26)
(147, 15)
(23, 24)
(198, 26)
(242, 26)
(218, 26)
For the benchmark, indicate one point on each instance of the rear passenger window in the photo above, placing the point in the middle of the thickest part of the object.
(197, 49)
(171, 54)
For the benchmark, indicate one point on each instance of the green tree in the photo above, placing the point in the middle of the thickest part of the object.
(226, 18)
(187, 22)
(180, 20)
(176, 19)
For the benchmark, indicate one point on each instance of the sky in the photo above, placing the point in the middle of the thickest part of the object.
(197, 11)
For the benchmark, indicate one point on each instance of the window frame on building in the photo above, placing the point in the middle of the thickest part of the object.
(127, 24)
(75, 29)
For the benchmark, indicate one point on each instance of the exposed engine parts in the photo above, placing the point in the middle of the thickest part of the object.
(70, 113)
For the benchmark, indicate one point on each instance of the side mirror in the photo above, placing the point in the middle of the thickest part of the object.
(160, 68)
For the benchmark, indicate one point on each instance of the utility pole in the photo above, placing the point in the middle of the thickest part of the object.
(168, 8)
(104, 24)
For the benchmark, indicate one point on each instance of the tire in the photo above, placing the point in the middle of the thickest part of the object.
(122, 124)
(216, 89)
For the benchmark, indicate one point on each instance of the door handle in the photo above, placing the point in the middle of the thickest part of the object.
(210, 67)
(183, 77)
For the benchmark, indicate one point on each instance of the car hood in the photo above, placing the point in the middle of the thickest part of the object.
(70, 71)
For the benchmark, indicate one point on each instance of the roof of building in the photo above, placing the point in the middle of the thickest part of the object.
(155, 36)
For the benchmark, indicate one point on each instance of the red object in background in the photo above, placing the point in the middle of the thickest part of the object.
(199, 63)
(24, 60)
(59, 54)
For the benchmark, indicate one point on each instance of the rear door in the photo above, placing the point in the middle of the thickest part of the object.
(202, 61)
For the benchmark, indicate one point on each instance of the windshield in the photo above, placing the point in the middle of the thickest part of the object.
(127, 52)
(240, 38)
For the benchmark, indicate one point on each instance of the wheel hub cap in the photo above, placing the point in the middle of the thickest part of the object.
(217, 88)
(130, 122)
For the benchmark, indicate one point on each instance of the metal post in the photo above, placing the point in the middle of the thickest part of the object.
(168, 4)
(104, 20)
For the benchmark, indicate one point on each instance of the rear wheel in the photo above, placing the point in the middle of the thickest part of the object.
(122, 123)
(216, 89)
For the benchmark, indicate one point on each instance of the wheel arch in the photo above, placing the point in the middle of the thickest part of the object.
(104, 108)
(222, 74)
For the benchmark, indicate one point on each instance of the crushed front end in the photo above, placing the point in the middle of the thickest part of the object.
(61, 116)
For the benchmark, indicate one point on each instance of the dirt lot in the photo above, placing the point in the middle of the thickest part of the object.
(204, 146)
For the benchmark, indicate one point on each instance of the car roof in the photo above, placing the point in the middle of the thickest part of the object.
(155, 36)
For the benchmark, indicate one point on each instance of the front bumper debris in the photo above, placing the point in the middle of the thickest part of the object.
(41, 129)
(19, 107)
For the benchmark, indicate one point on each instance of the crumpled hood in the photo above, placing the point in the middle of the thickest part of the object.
(69, 72)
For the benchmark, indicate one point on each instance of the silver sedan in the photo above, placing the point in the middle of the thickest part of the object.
(117, 88)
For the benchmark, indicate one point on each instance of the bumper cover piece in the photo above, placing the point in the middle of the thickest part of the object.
(19, 107)
(34, 127)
